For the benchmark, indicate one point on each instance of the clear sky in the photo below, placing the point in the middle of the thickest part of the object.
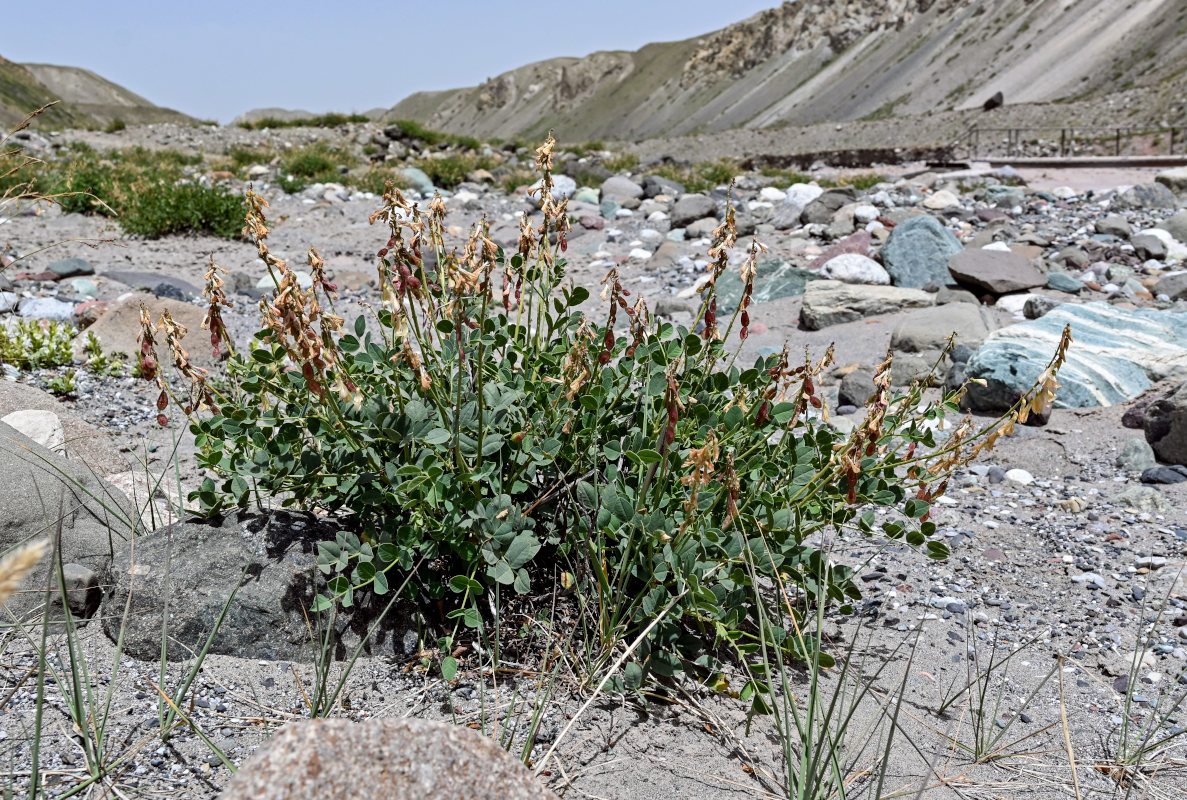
(215, 59)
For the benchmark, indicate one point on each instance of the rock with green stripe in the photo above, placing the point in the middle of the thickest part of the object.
(1116, 355)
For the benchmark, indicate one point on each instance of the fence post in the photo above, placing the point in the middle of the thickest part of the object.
(1062, 141)
(1117, 145)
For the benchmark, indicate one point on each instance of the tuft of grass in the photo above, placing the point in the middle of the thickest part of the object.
(860, 182)
(115, 126)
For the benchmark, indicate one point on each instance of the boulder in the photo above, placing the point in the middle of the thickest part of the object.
(194, 566)
(856, 388)
(773, 279)
(71, 267)
(1062, 282)
(1146, 195)
(618, 186)
(702, 228)
(1039, 304)
(1149, 246)
(43, 427)
(654, 185)
(416, 178)
(382, 759)
(855, 268)
(1136, 456)
(832, 302)
(690, 208)
(44, 493)
(995, 101)
(119, 328)
(1114, 225)
(49, 308)
(1166, 425)
(821, 210)
(996, 271)
(1174, 180)
(918, 250)
(1116, 355)
(92, 447)
(1176, 226)
(1173, 286)
(940, 200)
(788, 212)
(919, 339)
(858, 243)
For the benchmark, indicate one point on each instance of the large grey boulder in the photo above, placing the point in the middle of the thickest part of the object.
(1166, 425)
(44, 494)
(996, 271)
(1176, 226)
(821, 210)
(1173, 286)
(1146, 195)
(382, 759)
(191, 568)
(655, 185)
(855, 268)
(1173, 179)
(618, 186)
(919, 339)
(690, 208)
(918, 250)
(1116, 355)
(832, 302)
(788, 211)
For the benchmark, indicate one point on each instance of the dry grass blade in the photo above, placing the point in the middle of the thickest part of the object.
(17, 564)
(1067, 736)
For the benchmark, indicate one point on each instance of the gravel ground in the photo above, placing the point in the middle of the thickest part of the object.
(1051, 565)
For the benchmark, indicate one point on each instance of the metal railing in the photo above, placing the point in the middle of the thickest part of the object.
(1085, 142)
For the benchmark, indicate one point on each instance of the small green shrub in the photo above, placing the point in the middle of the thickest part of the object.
(242, 157)
(115, 126)
(448, 172)
(417, 131)
(147, 190)
(623, 162)
(330, 120)
(36, 344)
(701, 177)
(315, 163)
(785, 176)
(861, 182)
(479, 423)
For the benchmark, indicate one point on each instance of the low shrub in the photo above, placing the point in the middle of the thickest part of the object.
(479, 423)
(415, 130)
(36, 344)
(314, 163)
(701, 177)
(147, 190)
(330, 120)
(451, 170)
(115, 126)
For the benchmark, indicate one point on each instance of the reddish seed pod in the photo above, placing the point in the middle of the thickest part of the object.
(382, 252)
(162, 420)
(604, 357)
(742, 334)
(745, 319)
(608, 342)
(815, 401)
(162, 401)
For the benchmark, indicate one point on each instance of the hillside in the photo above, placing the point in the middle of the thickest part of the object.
(809, 62)
(84, 98)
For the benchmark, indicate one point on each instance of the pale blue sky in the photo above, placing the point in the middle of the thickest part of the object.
(215, 59)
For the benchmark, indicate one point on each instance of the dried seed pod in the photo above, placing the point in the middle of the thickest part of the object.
(162, 401)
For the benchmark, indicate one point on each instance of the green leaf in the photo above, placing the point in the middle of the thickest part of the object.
(445, 326)
(462, 583)
(449, 668)
(632, 676)
(321, 603)
(650, 456)
(502, 573)
(360, 326)
(578, 296)
(521, 550)
(437, 436)
(523, 583)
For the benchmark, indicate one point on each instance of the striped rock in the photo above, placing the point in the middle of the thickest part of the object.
(1116, 354)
